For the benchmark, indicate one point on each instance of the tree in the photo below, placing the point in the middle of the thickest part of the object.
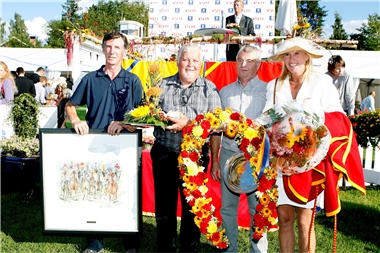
(2, 31)
(55, 33)
(313, 12)
(338, 31)
(369, 36)
(18, 34)
(105, 15)
(70, 12)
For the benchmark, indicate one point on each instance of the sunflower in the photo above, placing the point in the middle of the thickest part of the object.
(231, 133)
(215, 123)
(197, 220)
(242, 127)
(266, 211)
(264, 200)
(140, 111)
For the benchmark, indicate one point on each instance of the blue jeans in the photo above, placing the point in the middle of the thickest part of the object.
(229, 212)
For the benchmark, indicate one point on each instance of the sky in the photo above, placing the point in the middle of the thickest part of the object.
(37, 13)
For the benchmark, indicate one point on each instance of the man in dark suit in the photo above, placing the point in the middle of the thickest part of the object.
(246, 25)
(35, 77)
(24, 84)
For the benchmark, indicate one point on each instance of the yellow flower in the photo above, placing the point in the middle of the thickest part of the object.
(224, 116)
(197, 220)
(250, 133)
(212, 227)
(242, 127)
(203, 189)
(140, 112)
(215, 123)
(197, 131)
(190, 185)
(217, 111)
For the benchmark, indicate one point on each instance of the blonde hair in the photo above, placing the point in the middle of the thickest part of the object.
(9, 75)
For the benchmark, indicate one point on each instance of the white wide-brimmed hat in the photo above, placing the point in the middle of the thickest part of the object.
(295, 44)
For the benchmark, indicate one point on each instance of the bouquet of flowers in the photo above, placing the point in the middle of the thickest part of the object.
(233, 26)
(149, 113)
(299, 140)
(147, 141)
(250, 137)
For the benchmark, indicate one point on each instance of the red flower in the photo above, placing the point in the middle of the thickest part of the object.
(199, 117)
(256, 142)
(244, 144)
(235, 116)
(194, 156)
(259, 208)
(257, 237)
(206, 125)
(184, 154)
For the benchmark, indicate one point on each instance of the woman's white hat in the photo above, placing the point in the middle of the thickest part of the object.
(295, 44)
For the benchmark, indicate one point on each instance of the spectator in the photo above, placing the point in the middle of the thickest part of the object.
(368, 104)
(40, 90)
(343, 82)
(50, 99)
(66, 92)
(24, 85)
(108, 93)
(49, 88)
(246, 95)
(246, 25)
(35, 77)
(191, 95)
(7, 85)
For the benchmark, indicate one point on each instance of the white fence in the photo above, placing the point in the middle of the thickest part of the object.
(371, 164)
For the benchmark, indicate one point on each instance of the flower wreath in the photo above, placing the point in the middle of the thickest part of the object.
(249, 137)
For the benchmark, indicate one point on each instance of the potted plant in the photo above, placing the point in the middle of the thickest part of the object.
(20, 152)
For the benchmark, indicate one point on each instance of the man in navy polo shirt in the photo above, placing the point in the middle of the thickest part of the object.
(108, 93)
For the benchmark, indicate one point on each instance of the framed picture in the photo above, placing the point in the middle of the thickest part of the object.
(91, 184)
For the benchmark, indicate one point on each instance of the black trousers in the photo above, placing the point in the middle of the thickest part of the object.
(166, 186)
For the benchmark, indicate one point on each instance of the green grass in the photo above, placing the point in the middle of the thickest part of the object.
(358, 228)
(81, 112)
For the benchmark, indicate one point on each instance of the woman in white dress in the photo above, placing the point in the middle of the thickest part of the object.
(315, 91)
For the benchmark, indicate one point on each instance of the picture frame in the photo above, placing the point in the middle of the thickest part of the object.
(91, 184)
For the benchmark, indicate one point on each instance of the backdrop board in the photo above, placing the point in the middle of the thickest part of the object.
(91, 183)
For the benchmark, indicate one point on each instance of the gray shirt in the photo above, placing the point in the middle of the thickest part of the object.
(201, 96)
(345, 86)
(249, 100)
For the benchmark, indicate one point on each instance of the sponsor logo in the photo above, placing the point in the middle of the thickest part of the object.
(215, 26)
(230, 10)
(189, 26)
(271, 18)
(258, 2)
(269, 10)
(176, 26)
(151, 26)
(203, 18)
(229, 2)
(153, 18)
(190, 10)
(153, 2)
(217, 2)
(163, 33)
(151, 10)
(163, 10)
(269, 26)
(257, 26)
(189, 33)
(176, 18)
(271, 34)
(259, 35)
(203, 10)
(203, 26)
(189, 18)
(176, 34)
(163, 26)
(248, 10)
(163, 50)
(163, 18)
(176, 2)
(245, 2)
(176, 10)
(216, 18)
(258, 18)
(215, 10)
(258, 10)
(164, 2)
(203, 2)
(191, 2)
(271, 2)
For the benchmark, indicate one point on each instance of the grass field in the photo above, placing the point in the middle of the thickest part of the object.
(358, 228)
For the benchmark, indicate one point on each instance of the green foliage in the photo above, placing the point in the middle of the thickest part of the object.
(70, 11)
(367, 128)
(2, 31)
(18, 35)
(24, 116)
(55, 33)
(314, 13)
(20, 147)
(369, 36)
(338, 31)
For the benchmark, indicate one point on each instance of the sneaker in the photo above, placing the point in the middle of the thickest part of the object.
(93, 251)
(131, 251)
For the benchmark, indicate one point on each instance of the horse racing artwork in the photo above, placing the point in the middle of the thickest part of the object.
(90, 183)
